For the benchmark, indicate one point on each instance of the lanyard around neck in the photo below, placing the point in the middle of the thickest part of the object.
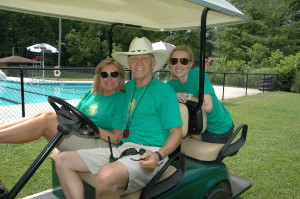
(131, 112)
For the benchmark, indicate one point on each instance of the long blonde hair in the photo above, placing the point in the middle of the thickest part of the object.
(97, 85)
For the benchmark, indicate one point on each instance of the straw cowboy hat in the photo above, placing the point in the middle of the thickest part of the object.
(141, 46)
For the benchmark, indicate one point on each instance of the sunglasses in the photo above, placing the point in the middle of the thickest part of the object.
(183, 61)
(113, 74)
(132, 151)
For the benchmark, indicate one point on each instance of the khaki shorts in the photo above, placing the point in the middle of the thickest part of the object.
(75, 141)
(138, 177)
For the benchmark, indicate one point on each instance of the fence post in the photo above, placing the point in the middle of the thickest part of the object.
(22, 91)
(246, 83)
(223, 85)
(264, 83)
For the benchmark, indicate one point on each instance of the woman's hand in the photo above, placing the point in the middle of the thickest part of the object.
(182, 97)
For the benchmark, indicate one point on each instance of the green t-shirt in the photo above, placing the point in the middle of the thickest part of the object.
(155, 110)
(105, 111)
(219, 119)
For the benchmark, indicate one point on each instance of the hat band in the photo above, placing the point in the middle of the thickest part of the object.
(138, 51)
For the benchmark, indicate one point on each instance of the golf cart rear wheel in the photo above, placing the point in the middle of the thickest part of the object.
(219, 191)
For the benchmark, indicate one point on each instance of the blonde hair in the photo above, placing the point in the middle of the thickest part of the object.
(97, 85)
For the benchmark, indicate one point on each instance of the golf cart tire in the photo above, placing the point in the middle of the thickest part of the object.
(219, 191)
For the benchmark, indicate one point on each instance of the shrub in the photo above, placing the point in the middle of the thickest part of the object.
(286, 70)
(296, 87)
(258, 55)
(222, 64)
(275, 58)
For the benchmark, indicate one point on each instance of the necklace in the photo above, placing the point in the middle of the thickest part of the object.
(132, 110)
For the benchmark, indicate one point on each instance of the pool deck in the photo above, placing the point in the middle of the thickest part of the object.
(38, 80)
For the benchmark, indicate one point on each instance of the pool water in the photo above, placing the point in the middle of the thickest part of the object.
(10, 91)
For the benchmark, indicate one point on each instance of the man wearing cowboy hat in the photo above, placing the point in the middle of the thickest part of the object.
(152, 131)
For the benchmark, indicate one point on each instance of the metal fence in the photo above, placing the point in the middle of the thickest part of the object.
(25, 90)
(261, 81)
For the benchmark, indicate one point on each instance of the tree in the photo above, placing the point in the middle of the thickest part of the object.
(274, 24)
(19, 30)
(87, 44)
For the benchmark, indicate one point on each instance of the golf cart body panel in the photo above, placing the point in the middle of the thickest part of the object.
(198, 178)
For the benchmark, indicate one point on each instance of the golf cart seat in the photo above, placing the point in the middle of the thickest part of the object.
(205, 151)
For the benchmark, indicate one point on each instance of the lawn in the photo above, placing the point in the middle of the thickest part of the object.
(270, 157)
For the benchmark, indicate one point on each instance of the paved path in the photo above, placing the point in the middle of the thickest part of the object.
(234, 92)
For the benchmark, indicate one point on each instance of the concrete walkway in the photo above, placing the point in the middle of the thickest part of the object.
(234, 92)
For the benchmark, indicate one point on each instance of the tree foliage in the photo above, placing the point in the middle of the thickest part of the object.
(287, 72)
(87, 44)
(273, 25)
(271, 34)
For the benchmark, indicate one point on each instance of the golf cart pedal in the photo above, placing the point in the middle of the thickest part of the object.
(3, 191)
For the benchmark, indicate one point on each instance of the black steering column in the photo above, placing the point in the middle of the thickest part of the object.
(69, 118)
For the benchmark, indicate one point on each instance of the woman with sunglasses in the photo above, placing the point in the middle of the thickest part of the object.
(103, 104)
(184, 80)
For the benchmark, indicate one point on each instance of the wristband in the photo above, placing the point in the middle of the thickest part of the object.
(188, 96)
(159, 156)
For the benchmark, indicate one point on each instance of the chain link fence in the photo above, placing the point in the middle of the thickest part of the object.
(25, 91)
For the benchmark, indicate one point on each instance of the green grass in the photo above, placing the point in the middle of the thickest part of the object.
(270, 157)
(15, 159)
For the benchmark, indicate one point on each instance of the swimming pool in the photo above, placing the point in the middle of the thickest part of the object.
(10, 91)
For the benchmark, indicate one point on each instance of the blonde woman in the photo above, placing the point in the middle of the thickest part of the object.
(103, 104)
(185, 81)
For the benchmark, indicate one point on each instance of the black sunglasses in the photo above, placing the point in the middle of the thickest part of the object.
(183, 61)
(132, 151)
(113, 74)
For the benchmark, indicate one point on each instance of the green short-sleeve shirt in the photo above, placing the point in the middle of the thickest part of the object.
(155, 110)
(219, 119)
(105, 111)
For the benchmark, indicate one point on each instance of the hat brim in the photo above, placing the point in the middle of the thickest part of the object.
(161, 57)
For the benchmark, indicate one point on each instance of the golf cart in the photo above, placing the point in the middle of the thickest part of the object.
(195, 169)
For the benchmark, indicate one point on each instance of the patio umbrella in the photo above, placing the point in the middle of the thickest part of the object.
(162, 46)
(42, 48)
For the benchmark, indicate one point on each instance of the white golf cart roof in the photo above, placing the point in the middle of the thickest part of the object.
(147, 14)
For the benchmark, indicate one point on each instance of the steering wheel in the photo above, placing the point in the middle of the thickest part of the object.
(71, 118)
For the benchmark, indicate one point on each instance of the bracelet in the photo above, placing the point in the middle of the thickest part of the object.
(159, 156)
(188, 96)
